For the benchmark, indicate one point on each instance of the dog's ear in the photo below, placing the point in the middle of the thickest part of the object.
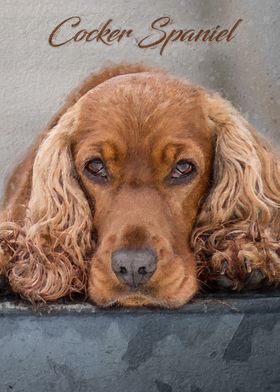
(239, 224)
(50, 248)
(45, 237)
(57, 201)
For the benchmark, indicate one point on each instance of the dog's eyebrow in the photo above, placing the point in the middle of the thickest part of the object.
(105, 149)
(171, 150)
(168, 152)
(111, 151)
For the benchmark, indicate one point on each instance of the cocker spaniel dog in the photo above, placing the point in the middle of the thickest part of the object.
(142, 187)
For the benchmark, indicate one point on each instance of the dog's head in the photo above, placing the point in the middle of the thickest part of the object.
(143, 153)
(132, 177)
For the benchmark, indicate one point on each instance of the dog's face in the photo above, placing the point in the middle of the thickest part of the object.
(144, 154)
(141, 177)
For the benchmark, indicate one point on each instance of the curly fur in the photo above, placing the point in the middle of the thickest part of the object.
(51, 245)
(240, 219)
(46, 255)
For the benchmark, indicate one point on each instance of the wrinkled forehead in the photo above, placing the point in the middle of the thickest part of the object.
(140, 111)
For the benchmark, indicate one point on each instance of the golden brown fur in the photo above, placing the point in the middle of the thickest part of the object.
(58, 229)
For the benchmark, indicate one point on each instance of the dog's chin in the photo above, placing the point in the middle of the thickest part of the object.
(138, 299)
(129, 300)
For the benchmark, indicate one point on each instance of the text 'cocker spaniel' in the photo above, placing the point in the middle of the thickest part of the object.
(141, 187)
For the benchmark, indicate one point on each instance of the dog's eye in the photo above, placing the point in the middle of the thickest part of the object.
(96, 170)
(183, 170)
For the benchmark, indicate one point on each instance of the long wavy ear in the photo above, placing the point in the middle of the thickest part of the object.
(48, 252)
(236, 238)
(45, 236)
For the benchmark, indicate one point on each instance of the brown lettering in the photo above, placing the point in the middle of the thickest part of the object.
(90, 37)
(222, 34)
(212, 35)
(166, 20)
(58, 27)
(80, 35)
(103, 32)
(159, 37)
(125, 33)
(231, 36)
(173, 36)
(113, 35)
(188, 35)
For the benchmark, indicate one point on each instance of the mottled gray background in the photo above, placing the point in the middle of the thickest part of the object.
(36, 77)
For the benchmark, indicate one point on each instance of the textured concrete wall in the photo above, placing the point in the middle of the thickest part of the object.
(35, 77)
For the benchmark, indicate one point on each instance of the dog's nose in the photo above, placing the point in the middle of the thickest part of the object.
(134, 267)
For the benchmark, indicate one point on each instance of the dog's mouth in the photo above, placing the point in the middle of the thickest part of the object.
(171, 285)
(149, 296)
(137, 300)
(131, 297)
